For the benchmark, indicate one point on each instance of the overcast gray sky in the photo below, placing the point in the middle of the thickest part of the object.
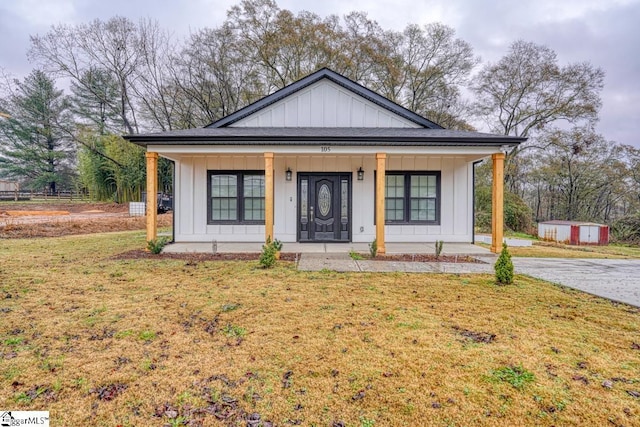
(605, 33)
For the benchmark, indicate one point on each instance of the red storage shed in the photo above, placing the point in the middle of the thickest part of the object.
(574, 232)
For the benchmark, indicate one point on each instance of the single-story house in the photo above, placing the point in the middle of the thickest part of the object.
(324, 160)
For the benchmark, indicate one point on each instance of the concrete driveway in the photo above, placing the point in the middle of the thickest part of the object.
(616, 279)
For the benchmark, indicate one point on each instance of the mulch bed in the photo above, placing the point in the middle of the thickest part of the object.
(192, 256)
(284, 256)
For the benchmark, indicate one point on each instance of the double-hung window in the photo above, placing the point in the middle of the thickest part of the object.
(236, 197)
(412, 197)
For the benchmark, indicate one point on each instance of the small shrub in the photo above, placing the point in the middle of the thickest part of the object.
(504, 267)
(373, 248)
(155, 246)
(439, 245)
(277, 244)
(268, 254)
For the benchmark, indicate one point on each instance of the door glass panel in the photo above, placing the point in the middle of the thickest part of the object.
(304, 196)
(344, 201)
(324, 200)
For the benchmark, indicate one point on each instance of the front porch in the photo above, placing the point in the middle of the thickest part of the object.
(356, 200)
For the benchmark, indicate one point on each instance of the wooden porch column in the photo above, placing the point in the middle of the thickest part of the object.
(152, 191)
(497, 202)
(268, 196)
(381, 166)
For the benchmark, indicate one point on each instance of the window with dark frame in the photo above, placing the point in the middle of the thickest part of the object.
(236, 197)
(412, 197)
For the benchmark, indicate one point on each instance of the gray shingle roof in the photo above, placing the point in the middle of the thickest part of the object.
(325, 136)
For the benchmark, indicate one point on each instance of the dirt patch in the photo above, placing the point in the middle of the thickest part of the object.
(34, 213)
(66, 226)
(475, 336)
(78, 207)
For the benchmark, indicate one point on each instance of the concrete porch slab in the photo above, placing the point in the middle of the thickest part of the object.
(344, 248)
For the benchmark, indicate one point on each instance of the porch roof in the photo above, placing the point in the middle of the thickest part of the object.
(326, 136)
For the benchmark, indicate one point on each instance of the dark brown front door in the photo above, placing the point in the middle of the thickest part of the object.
(324, 207)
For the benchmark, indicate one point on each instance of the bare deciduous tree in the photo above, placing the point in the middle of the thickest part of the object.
(527, 90)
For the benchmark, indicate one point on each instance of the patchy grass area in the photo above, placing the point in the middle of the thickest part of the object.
(557, 250)
(101, 341)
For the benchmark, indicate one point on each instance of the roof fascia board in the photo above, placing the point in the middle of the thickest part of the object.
(198, 150)
(326, 140)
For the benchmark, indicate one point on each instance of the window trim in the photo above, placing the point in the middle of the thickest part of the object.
(407, 197)
(240, 174)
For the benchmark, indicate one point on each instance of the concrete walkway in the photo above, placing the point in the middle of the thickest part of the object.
(615, 279)
(342, 262)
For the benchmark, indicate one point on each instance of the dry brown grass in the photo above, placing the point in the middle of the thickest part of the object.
(193, 339)
(558, 250)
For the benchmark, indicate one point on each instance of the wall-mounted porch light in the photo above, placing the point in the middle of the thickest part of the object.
(360, 174)
(289, 174)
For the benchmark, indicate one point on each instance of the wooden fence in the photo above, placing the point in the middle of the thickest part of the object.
(44, 196)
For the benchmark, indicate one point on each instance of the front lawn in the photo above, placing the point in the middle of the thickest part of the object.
(107, 342)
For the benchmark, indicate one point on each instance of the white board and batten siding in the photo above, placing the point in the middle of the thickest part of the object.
(324, 104)
(456, 222)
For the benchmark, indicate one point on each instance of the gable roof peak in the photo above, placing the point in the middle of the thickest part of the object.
(339, 79)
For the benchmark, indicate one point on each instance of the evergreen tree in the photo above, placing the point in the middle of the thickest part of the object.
(33, 148)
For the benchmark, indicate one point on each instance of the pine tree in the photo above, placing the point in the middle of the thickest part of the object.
(33, 148)
(504, 267)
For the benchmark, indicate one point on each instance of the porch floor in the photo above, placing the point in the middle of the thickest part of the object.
(324, 248)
